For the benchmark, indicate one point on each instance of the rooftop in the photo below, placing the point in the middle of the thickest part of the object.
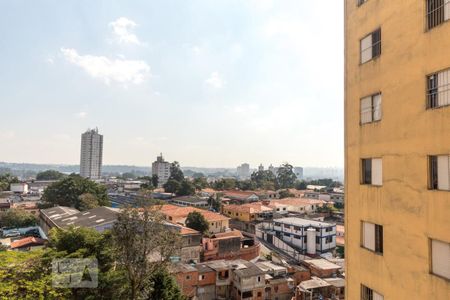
(302, 222)
(322, 264)
(183, 211)
(66, 217)
(27, 241)
(255, 207)
(313, 283)
(293, 201)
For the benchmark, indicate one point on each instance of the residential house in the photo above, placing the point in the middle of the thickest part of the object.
(248, 281)
(230, 245)
(206, 287)
(194, 201)
(241, 196)
(28, 243)
(248, 212)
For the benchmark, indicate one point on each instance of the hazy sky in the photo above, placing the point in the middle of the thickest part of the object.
(210, 83)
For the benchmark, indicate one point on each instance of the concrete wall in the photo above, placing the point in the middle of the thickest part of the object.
(407, 133)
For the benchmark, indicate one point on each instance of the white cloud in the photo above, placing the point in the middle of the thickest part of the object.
(215, 80)
(122, 29)
(50, 60)
(109, 70)
(81, 114)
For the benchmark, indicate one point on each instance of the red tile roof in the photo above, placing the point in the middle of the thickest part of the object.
(183, 211)
(28, 241)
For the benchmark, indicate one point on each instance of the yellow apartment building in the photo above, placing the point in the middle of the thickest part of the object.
(397, 149)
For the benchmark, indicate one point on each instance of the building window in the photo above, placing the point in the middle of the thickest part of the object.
(248, 294)
(369, 294)
(372, 237)
(438, 11)
(328, 229)
(259, 278)
(371, 108)
(259, 294)
(439, 172)
(361, 2)
(329, 239)
(372, 171)
(188, 277)
(440, 258)
(201, 277)
(370, 46)
(438, 88)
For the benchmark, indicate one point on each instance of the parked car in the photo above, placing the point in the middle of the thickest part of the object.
(32, 232)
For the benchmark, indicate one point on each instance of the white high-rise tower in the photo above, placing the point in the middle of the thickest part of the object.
(91, 154)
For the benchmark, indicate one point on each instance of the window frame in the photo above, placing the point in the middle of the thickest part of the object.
(371, 47)
(435, 10)
(378, 242)
(430, 258)
(360, 2)
(372, 105)
(435, 94)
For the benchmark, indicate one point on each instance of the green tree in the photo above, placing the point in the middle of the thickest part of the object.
(27, 275)
(214, 202)
(285, 194)
(286, 176)
(197, 221)
(300, 185)
(264, 179)
(6, 180)
(171, 186)
(225, 184)
(164, 286)
(88, 201)
(16, 217)
(175, 172)
(143, 245)
(128, 175)
(186, 189)
(246, 185)
(67, 192)
(49, 175)
(198, 175)
(200, 183)
(155, 180)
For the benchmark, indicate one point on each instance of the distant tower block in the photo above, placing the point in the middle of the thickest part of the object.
(91, 154)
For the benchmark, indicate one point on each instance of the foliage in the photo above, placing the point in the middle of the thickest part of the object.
(142, 246)
(300, 185)
(338, 205)
(200, 182)
(49, 175)
(27, 275)
(128, 175)
(340, 251)
(225, 184)
(175, 172)
(286, 176)
(285, 194)
(214, 203)
(329, 183)
(155, 180)
(15, 218)
(6, 180)
(67, 192)
(186, 189)
(198, 175)
(197, 221)
(246, 185)
(88, 201)
(264, 179)
(163, 286)
(171, 186)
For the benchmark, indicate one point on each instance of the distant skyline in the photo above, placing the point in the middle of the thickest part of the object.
(207, 83)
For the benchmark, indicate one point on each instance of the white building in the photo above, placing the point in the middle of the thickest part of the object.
(298, 172)
(243, 171)
(306, 235)
(91, 154)
(161, 168)
(20, 188)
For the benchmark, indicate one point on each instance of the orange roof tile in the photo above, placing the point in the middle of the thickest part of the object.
(254, 207)
(26, 241)
(298, 201)
(183, 211)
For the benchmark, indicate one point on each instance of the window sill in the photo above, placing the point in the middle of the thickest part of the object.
(371, 251)
(373, 59)
(437, 26)
(439, 276)
(372, 185)
(438, 107)
(372, 122)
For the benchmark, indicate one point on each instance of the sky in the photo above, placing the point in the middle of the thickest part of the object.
(209, 83)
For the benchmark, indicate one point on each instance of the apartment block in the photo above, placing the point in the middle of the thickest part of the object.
(91, 154)
(397, 149)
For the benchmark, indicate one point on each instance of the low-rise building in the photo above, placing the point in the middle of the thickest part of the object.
(241, 196)
(248, 212)
(322, 268)
(177, 214)
(230, 245)
(248, 281)
(194, 201)
(19, 188)
(187, 279)
(307, 236)
(301, 205)
(28, 243)
(206, 286)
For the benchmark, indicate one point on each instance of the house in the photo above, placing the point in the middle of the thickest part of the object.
(248, 281)
(223, 278)
(187, 279)
(191, 247)
(340, 235)
(322, 268)
(248, 212)
(176, 214)
(327, 288)
(28, 243)
(206, 287)
(194, 201)
(301, 205)
(19, 188)
(307, 236)
(230, 245)
(241, 196)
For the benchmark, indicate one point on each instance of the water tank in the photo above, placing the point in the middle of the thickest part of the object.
(311, 241)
